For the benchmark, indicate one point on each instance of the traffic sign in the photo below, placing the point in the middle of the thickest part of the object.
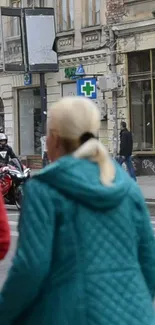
(87, 87)
(80, 71)
(27, 79)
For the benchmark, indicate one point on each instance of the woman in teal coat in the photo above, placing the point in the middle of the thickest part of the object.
(86, 248)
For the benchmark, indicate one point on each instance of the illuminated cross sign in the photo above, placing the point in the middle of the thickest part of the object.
(87, 88)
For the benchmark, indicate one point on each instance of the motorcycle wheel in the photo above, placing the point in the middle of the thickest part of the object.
(18, 197)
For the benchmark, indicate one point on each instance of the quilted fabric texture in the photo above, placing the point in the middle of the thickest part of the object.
(86, 253)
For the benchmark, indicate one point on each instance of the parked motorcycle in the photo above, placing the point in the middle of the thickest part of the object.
(12, 178)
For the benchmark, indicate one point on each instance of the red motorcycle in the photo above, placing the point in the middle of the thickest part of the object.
(12, 178)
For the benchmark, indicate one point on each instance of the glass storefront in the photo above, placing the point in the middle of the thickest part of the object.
(29, 121)
(141, 71)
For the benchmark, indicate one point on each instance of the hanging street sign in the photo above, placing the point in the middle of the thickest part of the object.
(80, 71)
(27, 79)
(87, 87)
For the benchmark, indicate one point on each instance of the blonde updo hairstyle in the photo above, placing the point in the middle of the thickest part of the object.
(76, 119)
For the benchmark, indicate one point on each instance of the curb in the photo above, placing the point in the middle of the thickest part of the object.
(151, 206)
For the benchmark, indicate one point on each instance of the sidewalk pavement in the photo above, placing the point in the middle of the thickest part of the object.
(147, 184)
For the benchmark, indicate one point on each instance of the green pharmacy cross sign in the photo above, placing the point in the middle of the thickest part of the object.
(87, 88)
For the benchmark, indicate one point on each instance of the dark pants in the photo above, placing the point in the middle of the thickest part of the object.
(45, 159)
(129, 165)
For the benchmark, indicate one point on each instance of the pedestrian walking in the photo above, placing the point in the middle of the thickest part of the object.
(126, 147)
(4, 230)
(86, 248)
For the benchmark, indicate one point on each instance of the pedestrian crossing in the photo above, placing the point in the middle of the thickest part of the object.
(153, 222)
(13, 222)
(13, 227)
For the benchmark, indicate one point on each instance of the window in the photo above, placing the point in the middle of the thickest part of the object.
(91, 9)
(2, 128)
(69, 89)
(33, 3)
(14, 21)
(65, 15)
(29, 121)
(141, 72)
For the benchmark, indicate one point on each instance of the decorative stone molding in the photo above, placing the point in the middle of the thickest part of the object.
(65, 44)
(65, 34)
(132, 2)
(91, 29)
(89, 59)
(130, 28)
(91, 39)
(13, 50)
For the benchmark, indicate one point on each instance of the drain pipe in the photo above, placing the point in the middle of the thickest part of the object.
(114, 92)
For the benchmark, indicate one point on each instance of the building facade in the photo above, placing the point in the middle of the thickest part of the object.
(134, 29)
(80, 40)
(83, 38)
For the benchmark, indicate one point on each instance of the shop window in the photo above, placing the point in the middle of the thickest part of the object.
(141, 71)
(30, 121)
(153, 62)
(91, 10)
(141, 115)
(65, 15)
(139, 62)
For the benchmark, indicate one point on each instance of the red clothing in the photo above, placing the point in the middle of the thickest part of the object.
(4, 230)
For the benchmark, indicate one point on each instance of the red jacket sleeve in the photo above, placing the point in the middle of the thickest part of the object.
(4, 230)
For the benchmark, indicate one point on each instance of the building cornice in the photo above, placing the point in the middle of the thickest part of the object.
(134, 27)
(82, 58)
(134, 2)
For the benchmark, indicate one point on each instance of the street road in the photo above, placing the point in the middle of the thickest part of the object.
(13, 221)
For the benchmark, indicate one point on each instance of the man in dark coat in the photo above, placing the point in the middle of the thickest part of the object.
(126, 147)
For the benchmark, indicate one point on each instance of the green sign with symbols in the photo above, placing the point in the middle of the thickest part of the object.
(27, 79)
(70, 73)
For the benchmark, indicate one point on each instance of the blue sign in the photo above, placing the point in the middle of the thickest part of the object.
(27, 79)
(87, 87)
(80, 71)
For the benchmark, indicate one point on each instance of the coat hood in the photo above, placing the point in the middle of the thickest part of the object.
(79, 179)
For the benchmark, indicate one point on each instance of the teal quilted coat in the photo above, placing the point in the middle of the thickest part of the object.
(86, 253)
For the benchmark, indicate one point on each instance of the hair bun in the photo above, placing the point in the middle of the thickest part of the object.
(86, 136)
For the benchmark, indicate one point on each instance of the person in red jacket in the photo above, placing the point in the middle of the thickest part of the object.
(4, 230)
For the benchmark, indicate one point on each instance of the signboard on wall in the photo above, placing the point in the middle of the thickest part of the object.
(87, 88)
(27, 79)
(37, 37)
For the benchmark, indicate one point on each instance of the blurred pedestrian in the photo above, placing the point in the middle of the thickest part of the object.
(86, 248)
(4, 230)
(126, 147)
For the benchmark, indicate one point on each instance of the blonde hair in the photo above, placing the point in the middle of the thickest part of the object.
(71, 117)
